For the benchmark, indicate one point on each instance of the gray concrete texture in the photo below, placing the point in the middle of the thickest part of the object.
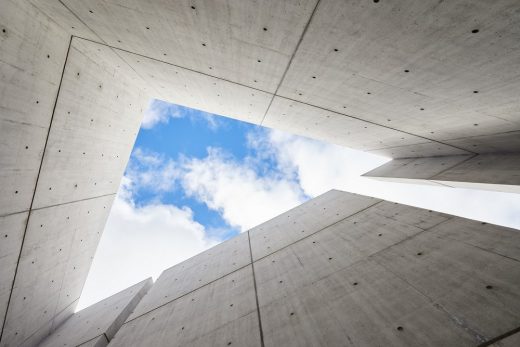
(97, 324)
(401, 78)
(497, 172)
(371, 273)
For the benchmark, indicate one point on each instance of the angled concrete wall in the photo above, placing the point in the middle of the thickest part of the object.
(498, 172)
(341, 270)
(70, 114)
(98, 323)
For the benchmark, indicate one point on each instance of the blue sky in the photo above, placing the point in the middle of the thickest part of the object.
(196, 179)
(189, 133)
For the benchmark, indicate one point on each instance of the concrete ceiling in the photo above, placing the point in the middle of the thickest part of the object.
(441, 75)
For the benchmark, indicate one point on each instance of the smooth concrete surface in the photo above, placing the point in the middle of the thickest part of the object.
(444, 85)
(499, 172)
(70, 112)
(195, 272)
(402, 79)
(305, 220)
(382, 274)
(215, 314)
(59, 246)
(99, 322)
(33, 52)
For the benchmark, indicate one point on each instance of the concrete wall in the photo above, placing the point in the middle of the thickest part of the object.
(97, 324)
(364, 75)
(340, 270)
(70, 111)
(499, 172)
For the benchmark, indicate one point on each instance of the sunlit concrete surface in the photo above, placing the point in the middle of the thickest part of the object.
(340, 270)
(403, 78)
(96, 325)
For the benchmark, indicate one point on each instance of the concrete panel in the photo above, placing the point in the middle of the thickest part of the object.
(307, 120)
(416, 168)
(498, 172)
(494, 143)
(481, 235)
(58, 249)
(432, 77)
(463, 280)
(222, 38)
(485, 168)
(196, 272)
(408, 215)
(12, 229)
(31, 61)
(200, 91)
(304, 220)
(361, 305)
(102, 319)
(65, 18)
(97, 117)
(326, 252)
(218, 314)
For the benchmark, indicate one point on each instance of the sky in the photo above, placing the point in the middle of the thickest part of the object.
(195, 179)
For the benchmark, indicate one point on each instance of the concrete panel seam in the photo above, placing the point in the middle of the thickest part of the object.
(95, 337)
(477, 136)
(50, 320)
(80, 20)
(314, 233)
(457, 320)
(480, 248)
(453, 166)
(273, 95)
(259, 259)
(460, 322)
(61, 204)
(204, 285)
(408, 238)
(374, 123)
(500, 337)
(291, 59)
(177, 66)
(256, 292)
(187, 293)
(36, 185)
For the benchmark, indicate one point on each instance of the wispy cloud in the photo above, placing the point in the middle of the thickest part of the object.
(161, 112)
(235, 189)
(146, 239)
(152, 172)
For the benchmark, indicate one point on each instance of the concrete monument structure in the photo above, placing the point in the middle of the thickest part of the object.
(432, 84)
(341, 270)
(96, 325)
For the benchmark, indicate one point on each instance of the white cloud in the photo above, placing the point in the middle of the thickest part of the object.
(321, 167)
(160, 112)
(235, 189)
(139, 242)
(152, 171)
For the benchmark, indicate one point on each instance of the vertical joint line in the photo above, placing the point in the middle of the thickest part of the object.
(291, 59)
(256, 292)
(35, 187)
